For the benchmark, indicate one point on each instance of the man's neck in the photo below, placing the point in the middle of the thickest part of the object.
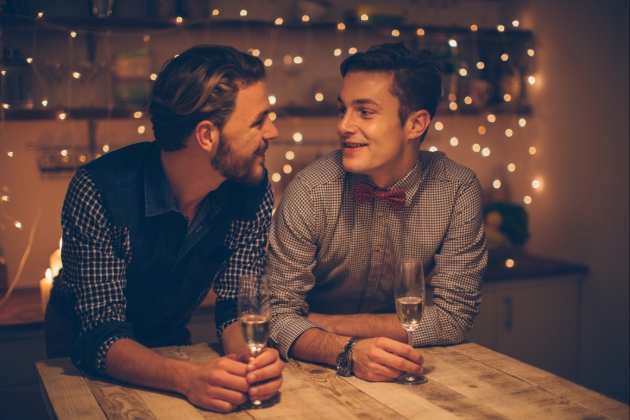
(190, 178)
(395, 172)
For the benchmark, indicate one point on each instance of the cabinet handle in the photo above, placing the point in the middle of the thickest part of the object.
(508, 307)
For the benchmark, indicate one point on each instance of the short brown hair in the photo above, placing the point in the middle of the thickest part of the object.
(417, 80)
(199, 84)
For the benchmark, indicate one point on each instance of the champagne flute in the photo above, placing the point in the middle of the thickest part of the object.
(410, 300)
(254, 314)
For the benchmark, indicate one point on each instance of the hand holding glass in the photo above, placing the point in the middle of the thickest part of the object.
(254, 314)
(410, 299)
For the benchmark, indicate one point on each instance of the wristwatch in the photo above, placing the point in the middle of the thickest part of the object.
(344, 360)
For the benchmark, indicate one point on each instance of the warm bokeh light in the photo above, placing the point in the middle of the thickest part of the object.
(82, 158)
(395, 32)
(509, 263)
(279, 21)
(485, 152)
(256, 52)
(62, 116)
(289, 155)
(337, 52)
(511, 167)
(522, 122)
(433, 149)
(305, 18)
(491, 118)
(287, 169)
(352, 51)
(452, 97)
(532, 150)
(531, 80)
(501, 28)
(468, 100)
(452, 106)
(439, 126)
(243, 12)
(530, 52)
(18, 225)
(276, 177)
(527, 199)
(215, 12)
(153, 76)
(481, 130)
(463, 72)
(420, 32)
(297, 137)
(504, 57)
(496, 184)
(509, 132)
(45, 102)
(268, 62)
(474, 28)
(364, 17)
(106, 148)
(73, 34)
(137, 114)
(452, 43)
(272, 116)
(507, 97)
(272, 100)
(535, 183)
(515, 23)
(141, 129)
(297, 59)
(341, 26)
(476, 148)
(146, 38)
(10, 154)
(454, 141)
(179, 19)
(480, 65)
(319, 97)
(76, 75)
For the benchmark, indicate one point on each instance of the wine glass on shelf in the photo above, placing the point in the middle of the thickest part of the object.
(254, 315)
(410, 296)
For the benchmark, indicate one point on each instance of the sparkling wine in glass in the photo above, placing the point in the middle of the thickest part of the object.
(410, 300)
(254, 314)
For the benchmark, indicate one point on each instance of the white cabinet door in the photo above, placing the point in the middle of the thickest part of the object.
(534, 321)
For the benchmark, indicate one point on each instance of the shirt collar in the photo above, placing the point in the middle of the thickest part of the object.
(409, 183)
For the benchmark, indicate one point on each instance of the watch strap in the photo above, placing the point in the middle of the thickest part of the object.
(350, 344)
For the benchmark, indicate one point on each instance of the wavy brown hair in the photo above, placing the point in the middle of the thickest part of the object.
(199, 84)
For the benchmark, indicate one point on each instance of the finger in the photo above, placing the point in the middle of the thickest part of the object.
(267, 372)
(267, 357)
(231, 366)
(392, 364)
(400, 349)
(227, 395)
(219, 406)
(266, 388)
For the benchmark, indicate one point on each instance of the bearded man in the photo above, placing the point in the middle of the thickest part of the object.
(150, 228)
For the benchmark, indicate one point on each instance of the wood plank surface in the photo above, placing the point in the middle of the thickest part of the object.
(67, 391)
(499, 391)
(551, 383)
(117, 400)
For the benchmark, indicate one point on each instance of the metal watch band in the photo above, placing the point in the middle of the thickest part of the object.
(350, 344)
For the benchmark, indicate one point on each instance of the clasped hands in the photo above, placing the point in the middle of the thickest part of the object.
(375, 358)
(224, 383)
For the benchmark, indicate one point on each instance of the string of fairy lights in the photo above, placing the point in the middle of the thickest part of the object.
(291, 65)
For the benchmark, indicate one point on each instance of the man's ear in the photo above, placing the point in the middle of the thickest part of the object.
(206, 135)
(418, 122)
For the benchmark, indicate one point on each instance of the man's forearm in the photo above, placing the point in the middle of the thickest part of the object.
(362, 325)
(319, 346)
(131, 362)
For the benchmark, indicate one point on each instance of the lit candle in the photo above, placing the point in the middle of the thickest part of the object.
(55, 261)
(45, 285)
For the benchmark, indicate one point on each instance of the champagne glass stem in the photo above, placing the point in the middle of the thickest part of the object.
(410, 338)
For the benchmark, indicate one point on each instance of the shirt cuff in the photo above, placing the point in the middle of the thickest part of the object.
(90, 348)
(102, 353)
(285, 329)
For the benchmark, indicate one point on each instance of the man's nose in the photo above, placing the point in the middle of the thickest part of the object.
(271, 132)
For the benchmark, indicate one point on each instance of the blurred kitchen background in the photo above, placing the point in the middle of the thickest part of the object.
(535, 102)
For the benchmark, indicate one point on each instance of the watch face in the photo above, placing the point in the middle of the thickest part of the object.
(344, 363)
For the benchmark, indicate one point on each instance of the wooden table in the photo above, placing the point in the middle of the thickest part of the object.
(466, 380)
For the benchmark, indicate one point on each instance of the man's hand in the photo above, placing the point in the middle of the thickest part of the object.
(219, 385)
(264, 374)
(382, 359)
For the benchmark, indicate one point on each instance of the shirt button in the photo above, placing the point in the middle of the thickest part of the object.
(377, 249)
(379, 214)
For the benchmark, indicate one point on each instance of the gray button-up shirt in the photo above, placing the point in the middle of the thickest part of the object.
(330, 255)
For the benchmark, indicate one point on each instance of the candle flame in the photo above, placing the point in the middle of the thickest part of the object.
(60, 242)
(49, 274)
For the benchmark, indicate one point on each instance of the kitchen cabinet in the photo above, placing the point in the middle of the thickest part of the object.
(533, 315)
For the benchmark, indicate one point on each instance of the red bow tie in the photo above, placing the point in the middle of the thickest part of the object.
(363, 193)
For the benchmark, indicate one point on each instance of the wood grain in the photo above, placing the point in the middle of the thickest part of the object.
(117, 400)
(67, 391)
(544, 380)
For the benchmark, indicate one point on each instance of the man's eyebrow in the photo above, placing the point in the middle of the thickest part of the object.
(361, 101)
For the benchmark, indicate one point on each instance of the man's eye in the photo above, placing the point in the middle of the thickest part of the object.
(341, 111)
(365, 112)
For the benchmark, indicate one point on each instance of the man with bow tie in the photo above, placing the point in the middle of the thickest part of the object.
(346, 218)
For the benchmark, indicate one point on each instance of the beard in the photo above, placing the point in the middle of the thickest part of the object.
(244, 170)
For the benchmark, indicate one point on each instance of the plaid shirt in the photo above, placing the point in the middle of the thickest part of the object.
(96, 254)
(330, 255)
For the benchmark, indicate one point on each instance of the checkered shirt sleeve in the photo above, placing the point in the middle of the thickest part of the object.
(95, 255)
(248, 239)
